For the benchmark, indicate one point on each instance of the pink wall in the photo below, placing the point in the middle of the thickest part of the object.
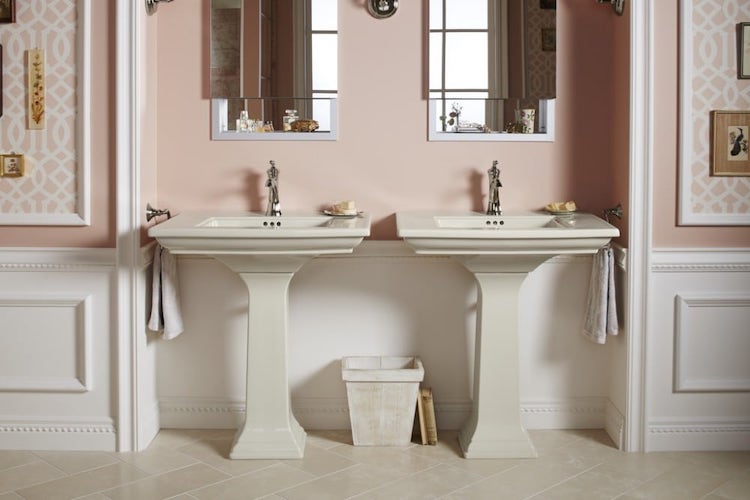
(101, 233)
(666, 141)
(382, 158)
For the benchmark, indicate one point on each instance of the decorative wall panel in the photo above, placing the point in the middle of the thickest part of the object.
(54, 190)
(709, 82)
(710, 359)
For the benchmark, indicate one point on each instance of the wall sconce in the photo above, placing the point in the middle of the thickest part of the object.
(617, 5)
(152, 5)
(382, 9)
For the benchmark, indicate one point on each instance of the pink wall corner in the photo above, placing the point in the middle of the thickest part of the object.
(382, 159)
(101, 232)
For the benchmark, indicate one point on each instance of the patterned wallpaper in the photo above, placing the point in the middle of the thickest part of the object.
(715, 87)
(49, 186)
(541, 63)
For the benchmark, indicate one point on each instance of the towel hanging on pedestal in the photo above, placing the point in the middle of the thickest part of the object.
(601, 308)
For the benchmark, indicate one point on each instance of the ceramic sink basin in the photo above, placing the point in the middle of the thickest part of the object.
(474, 233)
(251, 233)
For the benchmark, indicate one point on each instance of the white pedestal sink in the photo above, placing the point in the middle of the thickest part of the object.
(500, 251)
(265, 252)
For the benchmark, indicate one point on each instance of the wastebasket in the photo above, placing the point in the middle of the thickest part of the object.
(382, 395)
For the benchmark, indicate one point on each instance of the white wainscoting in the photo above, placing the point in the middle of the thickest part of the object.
(698, 345)
(56, 356)
(384, 300)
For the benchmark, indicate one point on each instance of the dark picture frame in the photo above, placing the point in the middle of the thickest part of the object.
(743, 51)
(548, 4)
(730, 133)
(7, 11)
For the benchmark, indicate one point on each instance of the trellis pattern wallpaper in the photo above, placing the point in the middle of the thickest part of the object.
(715, 87)
(49, 186)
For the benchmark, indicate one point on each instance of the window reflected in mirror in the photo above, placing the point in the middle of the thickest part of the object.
(273, 57)
(490, 63)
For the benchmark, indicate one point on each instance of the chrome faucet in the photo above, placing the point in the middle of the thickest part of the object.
(274, 206)
(493, 205)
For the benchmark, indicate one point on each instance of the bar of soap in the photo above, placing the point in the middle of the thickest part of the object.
(562, 206)
(347, 207)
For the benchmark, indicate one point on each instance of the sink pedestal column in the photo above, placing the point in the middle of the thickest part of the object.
(494, 428)
(270, 430)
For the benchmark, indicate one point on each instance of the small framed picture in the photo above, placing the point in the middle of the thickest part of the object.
(549, 39)
(743, 50)
(11, 165)
(730, 131)
(7, 11)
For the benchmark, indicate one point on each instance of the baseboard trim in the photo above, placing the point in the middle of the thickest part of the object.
(333, 413)
(698, 435)
(72, 434)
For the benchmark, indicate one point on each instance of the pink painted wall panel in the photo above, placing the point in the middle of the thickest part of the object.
(101, 231)
(666, 141)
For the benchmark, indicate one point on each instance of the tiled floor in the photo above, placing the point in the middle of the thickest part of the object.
(192, 464)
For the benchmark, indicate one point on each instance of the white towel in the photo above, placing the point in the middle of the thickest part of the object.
(166, 316)
(601, 308)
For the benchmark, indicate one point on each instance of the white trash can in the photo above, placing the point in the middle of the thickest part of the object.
(382, 394)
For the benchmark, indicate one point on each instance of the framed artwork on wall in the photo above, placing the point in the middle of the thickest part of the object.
(548, 4)
(730, 131)
(743, 50)
(7, 11)
(11, 165)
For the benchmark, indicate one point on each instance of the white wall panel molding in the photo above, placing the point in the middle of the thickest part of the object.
(711, 342)
(701, 260)
(56, 259)
(56, 433)
(698, 434)
(36, 305)
(614, 424)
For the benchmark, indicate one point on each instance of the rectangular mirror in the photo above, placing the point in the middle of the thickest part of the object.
(488, 60)
(270, 56)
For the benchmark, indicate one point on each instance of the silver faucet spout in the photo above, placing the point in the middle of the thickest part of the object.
(274, 206)
(493, 204)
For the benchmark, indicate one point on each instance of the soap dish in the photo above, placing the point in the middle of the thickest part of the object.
(331, 213)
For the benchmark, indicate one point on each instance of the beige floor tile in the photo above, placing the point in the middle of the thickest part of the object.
(595, 483)
(320, 462)
(83, 483)
(215, 452)
(27, 475)
(72, 462)
(254, 484)
(342, 484)
(546, 440)
(737, 488)
(175, 438)
(11, 458)
(169, 484)
(10, 496)
(529, 478)
(399, 460)
(678, 484)
(157, 460)
(328, 439)
(432, 483)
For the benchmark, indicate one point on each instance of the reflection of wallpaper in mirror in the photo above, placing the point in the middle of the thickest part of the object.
(1, 80)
